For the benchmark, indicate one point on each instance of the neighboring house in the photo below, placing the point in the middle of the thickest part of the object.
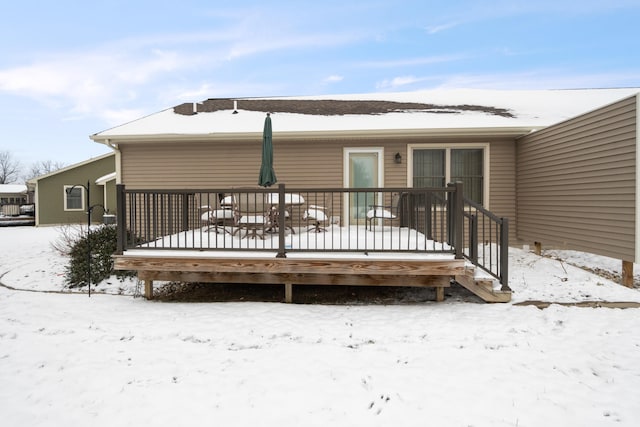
(61, 196)
(560, 164)
(13, 194)
(11, 197)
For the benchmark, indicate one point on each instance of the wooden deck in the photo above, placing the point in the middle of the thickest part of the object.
(307, 269)
(434, 240)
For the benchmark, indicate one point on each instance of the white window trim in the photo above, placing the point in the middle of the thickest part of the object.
(349, 150)
(447, 147)
(345, 172)
(82, 194)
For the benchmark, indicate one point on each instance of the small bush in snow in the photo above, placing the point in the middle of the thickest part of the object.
(103, 241)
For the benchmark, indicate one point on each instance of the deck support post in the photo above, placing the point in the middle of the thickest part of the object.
(148, 289)
(121, 203)
(281, 222)
(473, 238)
(439, 294)
(627, 273)
(504, 254)
(537, 248)
(458, 228)
(288, 292)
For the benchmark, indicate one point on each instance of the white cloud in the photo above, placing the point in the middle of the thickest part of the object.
(414, 61)
(85, 83)
(540, 79)
(434, 29)
(108, 77)
(398, 82)
(333, 79)
(118, 117)
(194, 93)
(218, 89)
(534, 79)
(261, 43)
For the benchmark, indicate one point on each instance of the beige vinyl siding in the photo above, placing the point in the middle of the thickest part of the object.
(577, 183)
(225, 165)
(395, 174)
(309, 163)
(502, 183)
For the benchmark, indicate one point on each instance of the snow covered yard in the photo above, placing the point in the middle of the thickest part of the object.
(108, 360)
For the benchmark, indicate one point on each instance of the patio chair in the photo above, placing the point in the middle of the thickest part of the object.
(274, 219)
(250, 214)
(382, 212)
(316, 217)
(291, 200)
(220, 217)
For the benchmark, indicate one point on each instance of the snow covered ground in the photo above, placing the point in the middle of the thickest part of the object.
(115, 360)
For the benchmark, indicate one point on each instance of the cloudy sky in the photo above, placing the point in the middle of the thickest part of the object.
(69, 69)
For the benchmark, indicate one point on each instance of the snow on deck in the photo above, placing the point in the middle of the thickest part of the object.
(344, 239)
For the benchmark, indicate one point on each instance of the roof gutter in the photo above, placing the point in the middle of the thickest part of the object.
(513, 132)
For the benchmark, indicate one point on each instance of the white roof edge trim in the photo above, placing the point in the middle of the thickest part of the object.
(371, 133)
(104, 179)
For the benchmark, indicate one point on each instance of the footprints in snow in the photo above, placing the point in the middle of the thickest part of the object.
(379, 404)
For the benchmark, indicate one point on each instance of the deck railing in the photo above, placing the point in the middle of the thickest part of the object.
(329, 220)
(486, 241)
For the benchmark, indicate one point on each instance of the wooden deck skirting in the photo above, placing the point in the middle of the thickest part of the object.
(293, 271)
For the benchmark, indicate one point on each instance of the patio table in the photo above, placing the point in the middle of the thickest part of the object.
(290, 199)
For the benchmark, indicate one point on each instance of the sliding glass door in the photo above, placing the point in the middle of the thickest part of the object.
(363, 169)
(435, 167)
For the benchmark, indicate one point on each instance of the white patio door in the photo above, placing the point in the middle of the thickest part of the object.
(363, 169)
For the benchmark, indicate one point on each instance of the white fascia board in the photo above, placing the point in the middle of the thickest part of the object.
(300, 135)
(104, 179)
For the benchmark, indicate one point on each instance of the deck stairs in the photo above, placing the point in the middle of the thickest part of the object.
(483, 285)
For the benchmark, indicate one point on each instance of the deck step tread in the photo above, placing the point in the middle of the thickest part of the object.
(482, 287)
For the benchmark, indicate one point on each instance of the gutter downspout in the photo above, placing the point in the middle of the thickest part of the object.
(115, 148)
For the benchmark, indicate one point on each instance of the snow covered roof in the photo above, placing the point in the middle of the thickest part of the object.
(446, 110)
(106, 178)
(13, 189)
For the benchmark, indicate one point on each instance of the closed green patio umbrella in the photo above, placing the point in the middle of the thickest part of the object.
(267, 175)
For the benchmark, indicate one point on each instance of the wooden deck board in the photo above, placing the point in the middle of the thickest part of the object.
(291, 271)
(291, 265)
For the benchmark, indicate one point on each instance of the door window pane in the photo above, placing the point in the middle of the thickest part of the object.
(428, 168)
(467, 167)
(363, 173)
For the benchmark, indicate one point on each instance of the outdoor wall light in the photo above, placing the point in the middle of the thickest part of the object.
(398, 158)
